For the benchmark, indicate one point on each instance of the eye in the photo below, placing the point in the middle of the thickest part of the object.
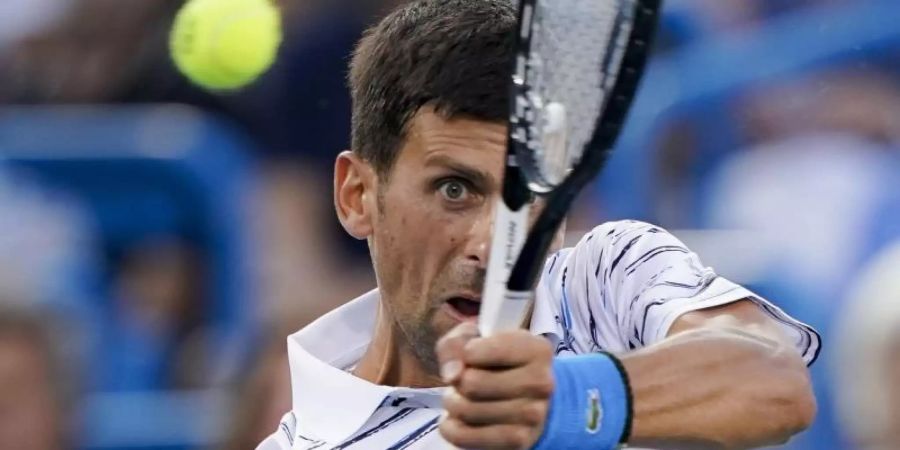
(453, 190)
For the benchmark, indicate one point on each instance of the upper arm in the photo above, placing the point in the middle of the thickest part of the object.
(744, 315)
(637, 279)
(628, 285)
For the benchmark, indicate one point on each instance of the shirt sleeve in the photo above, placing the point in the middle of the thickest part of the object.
(625, 283)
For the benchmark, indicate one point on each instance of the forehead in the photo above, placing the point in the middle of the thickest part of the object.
(430, 135)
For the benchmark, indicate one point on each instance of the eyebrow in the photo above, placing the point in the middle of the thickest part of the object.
(479, 177)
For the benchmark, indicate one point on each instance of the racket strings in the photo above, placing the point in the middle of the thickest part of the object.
(576, 51)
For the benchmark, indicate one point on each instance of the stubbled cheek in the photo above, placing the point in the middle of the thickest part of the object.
(417, 245)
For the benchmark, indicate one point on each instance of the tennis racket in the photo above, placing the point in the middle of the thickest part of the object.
(577, 66)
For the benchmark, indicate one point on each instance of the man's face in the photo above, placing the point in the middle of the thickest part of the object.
(431, 235)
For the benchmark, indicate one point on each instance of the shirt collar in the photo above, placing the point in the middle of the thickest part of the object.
(328, 400)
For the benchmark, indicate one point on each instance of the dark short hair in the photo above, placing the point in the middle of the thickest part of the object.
(453, 55)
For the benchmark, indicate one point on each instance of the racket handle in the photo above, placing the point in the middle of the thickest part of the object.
(508, 236)
(509, 315)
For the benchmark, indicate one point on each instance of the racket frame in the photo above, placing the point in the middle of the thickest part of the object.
(516, 259)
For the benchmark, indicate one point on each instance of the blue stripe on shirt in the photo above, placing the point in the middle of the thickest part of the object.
(420, 432)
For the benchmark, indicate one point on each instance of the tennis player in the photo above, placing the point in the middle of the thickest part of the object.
(631, 338)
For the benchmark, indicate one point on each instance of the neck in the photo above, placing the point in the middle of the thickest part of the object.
(390, 361)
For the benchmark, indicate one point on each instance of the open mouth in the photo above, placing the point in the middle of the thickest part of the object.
(465, 307)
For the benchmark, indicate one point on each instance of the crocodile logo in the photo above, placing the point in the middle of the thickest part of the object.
(594, 411)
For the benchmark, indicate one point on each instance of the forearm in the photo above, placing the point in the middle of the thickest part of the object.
(717, 388)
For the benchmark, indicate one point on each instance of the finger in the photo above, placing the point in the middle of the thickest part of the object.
(491, 437)
(519, 411)
(531, 381)
(509, 349)
(449, 350)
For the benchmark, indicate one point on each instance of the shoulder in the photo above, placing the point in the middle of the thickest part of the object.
(616, 253)
(625, 246)
(283, 437)
(617, 261)
(623, 232)
(616, 246)
(587, 290)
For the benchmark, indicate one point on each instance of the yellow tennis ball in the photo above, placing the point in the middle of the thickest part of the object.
(225, 44)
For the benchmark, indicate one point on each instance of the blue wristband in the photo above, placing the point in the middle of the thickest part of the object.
(590, 406)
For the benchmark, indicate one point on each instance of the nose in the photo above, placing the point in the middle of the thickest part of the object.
(478, 243)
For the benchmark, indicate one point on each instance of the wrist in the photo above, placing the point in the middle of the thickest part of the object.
(591, 406)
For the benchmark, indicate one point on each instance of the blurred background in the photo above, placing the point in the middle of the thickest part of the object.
(159, 242)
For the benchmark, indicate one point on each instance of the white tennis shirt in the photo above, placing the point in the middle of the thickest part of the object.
(620, 288)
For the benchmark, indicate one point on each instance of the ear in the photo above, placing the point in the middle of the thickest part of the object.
(355, 187)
